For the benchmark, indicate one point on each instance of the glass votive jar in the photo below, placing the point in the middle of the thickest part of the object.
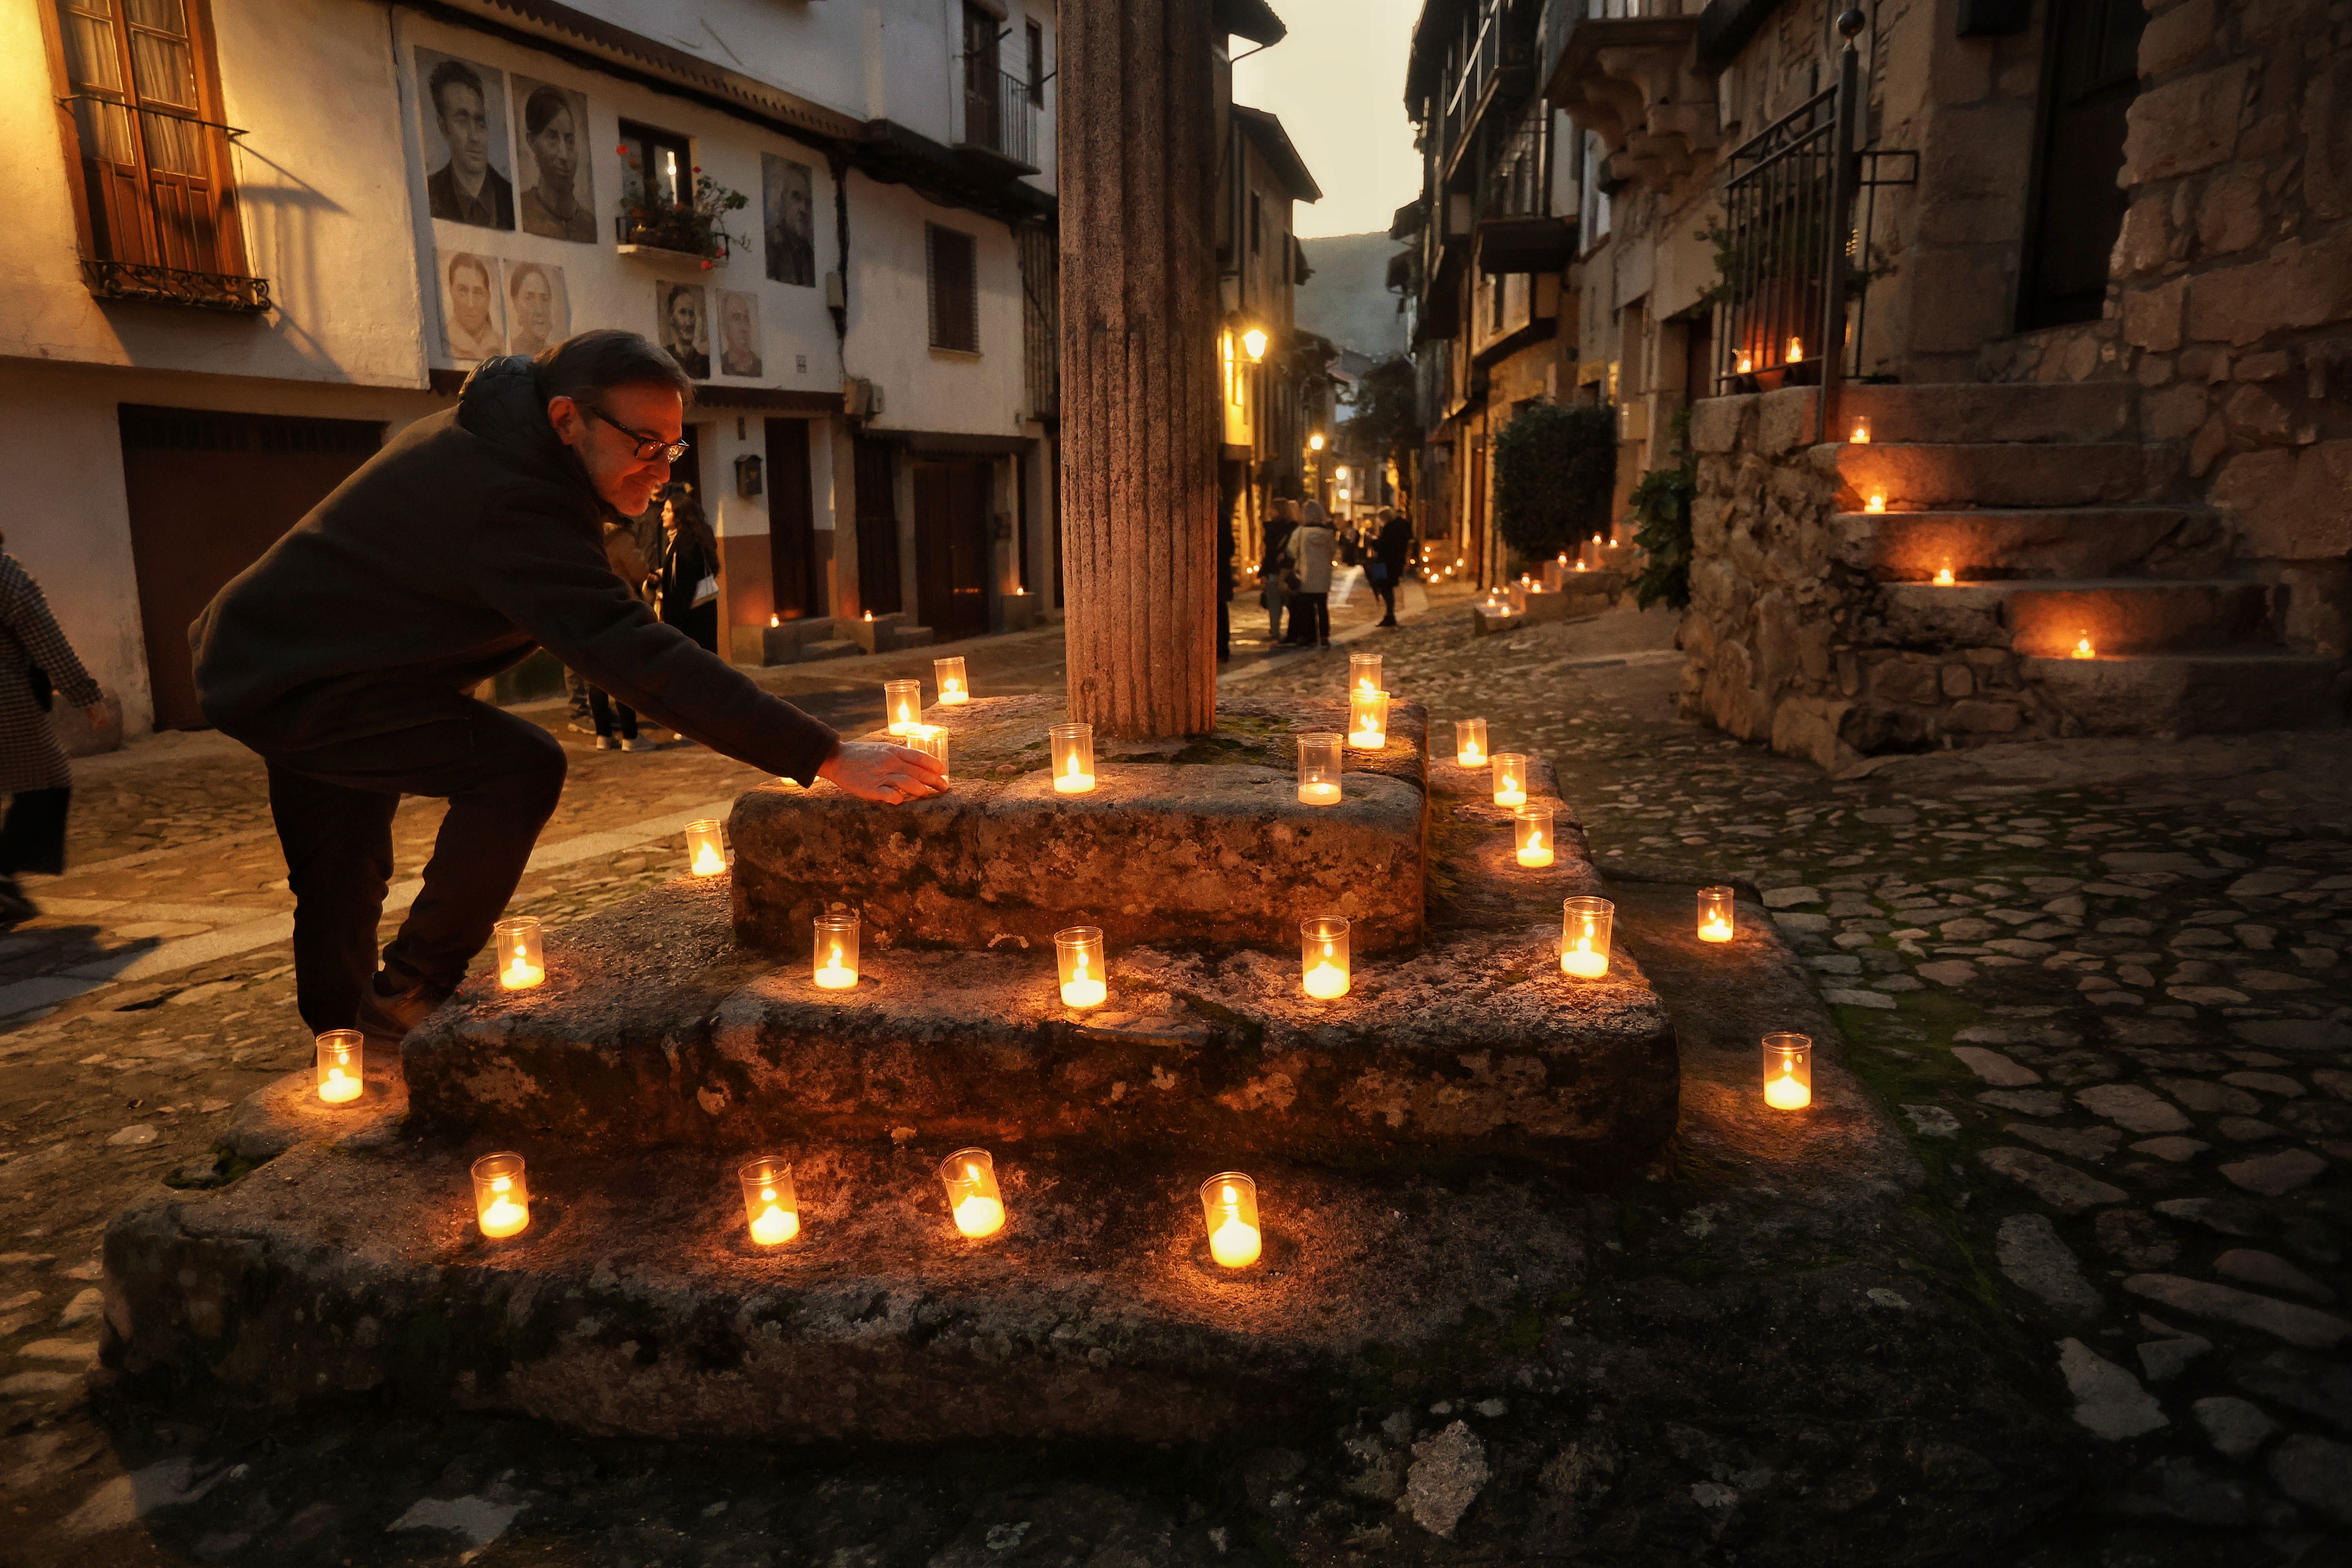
(1788, 1071)
(1319, 768)
(1716, 922)
(1584, 937)
(955, 689)
(1516, 598)
(706, 847)
(1510, 778)
(1532, 825)
(1323, 966)
(501, 1200)
(1078, 949)
(1074, 757)
(902, 704)
(1229, 1207)
(1470, 742)
(833, 962)
(1368, 720)
(769, 1201)
(1364, 672)
(1874, 502)
(931, 739)
(1858, 430)
(972, 1196)
(342, 1066)
(521, 963)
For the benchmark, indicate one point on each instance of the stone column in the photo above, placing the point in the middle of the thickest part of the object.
(1140, 426)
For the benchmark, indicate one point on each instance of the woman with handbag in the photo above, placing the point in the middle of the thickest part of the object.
(688, 573)
(36, 663)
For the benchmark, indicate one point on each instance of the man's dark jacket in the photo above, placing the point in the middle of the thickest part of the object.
(470, 539)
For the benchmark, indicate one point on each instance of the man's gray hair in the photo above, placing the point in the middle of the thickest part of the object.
(591, 364)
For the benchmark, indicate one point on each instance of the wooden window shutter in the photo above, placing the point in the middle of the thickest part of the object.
(955, 294)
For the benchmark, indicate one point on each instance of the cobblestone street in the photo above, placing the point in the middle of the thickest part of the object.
(2099, 988)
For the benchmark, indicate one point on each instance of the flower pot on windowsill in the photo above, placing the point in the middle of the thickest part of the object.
(662, 242)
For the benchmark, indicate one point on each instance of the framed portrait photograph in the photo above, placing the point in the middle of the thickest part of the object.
(539, 311)
(473, 325)
(551, 162)
(788, 212)
(739, 332)
(462, 113)
(682, 325)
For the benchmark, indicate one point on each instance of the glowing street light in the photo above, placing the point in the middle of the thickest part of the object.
(1254, 344)
(1314, 443)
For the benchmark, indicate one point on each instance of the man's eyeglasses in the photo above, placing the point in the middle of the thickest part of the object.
(648, 447)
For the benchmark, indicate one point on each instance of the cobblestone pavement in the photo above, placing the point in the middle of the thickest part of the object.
(2101, 988)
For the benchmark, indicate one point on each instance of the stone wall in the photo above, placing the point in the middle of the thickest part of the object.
(2231, 298)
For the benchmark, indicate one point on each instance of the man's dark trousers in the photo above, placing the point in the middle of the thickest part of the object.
(333, 805)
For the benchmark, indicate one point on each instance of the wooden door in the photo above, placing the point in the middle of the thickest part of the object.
(792, 523)
(878, 527)
(209, 493)
(951, 507)
(2090, 76)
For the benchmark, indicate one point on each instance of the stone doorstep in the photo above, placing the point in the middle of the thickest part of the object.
(2001, 475)
(1199, 841)
(635, 1304)
(2043, 617)
(1476, 1046)
(2189, 693)
(2076, 542)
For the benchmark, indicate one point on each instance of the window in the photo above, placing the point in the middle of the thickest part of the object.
(155, 197)
(984, 102)
(955, 293)
(656, 167)
(1036, 66)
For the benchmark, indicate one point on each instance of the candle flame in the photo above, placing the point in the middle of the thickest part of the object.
(1747, 363)
(1878, 501)
(1535, 841)
(1943, 578)
(1082, 966)
(2083, 648)
(1074, 764)
(500, 1184)
(1861, 435)
(767, 1194)
(1796, 350)
(1227, 1197)
(971, 1171)
(835, 961)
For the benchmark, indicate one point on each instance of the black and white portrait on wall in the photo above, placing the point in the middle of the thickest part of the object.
(559, 186)
(788, 208)
(462, 109)
(470, 327)
(539, 312)
(739, 332)
(683, 328)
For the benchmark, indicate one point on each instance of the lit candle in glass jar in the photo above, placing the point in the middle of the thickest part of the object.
(1715, 918)
(769, 1201)
(970, 1175)
(1470, 742)
(1943, 578)
(1510, 778)
(1877, 502)
(1796, 351)
(1364, 672)
(1747, 363)
(1788, 1071)
(1319, 769)
(833, 963)
(1079, 952)
(1323, 957)
(1074, 757)
(706, 847)
(1584, 937)
(931, 739)
(521, 964)
(1860, 434)
(902, 704)
(501, 1200)
(954, 689)
(1229, 1203)
(1368, 720)
(1532, 825)
(342, 1076)
(2083, 648)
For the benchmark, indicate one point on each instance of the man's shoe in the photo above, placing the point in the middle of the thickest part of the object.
(581, 722)
(15, 907)
(604, 743)
(385, 1020)
(634, 744)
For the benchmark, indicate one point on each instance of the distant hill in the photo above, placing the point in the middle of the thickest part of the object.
(1347, 298)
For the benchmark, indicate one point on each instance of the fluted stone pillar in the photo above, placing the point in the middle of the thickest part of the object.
(1141, 421)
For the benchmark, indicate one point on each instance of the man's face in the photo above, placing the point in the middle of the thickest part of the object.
(685, 318)
(797, 208)
(557, 148)
(469, 298)
(627, 483)
(466, 129)
(737, 324)
(533, 298)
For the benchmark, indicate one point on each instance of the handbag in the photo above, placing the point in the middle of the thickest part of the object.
(1376, 570)
(704, 592)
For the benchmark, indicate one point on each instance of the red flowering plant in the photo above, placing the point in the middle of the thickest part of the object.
(695, 228)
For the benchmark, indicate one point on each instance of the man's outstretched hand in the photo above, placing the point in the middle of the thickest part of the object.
(876, 770)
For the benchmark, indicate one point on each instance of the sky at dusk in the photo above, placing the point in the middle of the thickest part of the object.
(1337, 82)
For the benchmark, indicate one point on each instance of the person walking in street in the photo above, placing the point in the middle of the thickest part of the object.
(615, 723)
(1311, 548)
(685, 570)
(1281, 517)
(1391, 548)
(37, 666)
(345, 656)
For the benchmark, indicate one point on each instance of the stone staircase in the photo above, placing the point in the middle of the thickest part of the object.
(2058, 527)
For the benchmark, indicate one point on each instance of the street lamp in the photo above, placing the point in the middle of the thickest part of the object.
(1254, 344)
(1314, 443)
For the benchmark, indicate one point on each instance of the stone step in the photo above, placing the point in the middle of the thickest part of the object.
(1980, 411)
(2222, 693)
(2045, 617)
(1930, 476)
(635, 1303)
(1985, 545)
